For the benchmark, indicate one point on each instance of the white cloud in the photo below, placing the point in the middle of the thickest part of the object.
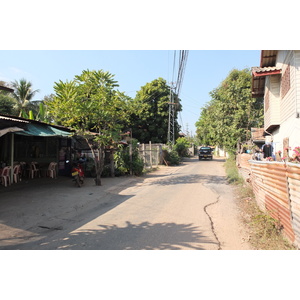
(16, 71)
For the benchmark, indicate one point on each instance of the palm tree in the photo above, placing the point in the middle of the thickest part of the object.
(23, 93)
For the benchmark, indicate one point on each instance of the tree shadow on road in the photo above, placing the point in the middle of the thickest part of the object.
(143, 236)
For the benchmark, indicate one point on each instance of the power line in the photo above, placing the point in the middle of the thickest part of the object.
(181, 122)
(183, 55)
(174, 66)
(182, 65)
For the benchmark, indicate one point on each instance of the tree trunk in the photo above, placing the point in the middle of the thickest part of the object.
(112, 163)
(98, 171)
(99, 164)
(98, 155)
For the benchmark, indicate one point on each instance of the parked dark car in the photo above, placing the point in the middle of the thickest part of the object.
(205, 152)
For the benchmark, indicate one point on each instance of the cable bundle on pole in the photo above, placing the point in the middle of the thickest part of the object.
(183, 55)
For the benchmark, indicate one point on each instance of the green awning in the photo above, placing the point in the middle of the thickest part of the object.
(43, 130)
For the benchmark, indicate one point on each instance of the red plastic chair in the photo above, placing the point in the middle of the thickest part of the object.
(33, 170)
(17, 173)
(51, 172)
(5, 176)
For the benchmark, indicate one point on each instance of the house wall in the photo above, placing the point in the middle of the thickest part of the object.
(288, 102)
(267, 110)
(288, 129)
(287, 105)
(290, 122)
(272, 101)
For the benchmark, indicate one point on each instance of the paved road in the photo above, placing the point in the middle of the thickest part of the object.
(184, 207)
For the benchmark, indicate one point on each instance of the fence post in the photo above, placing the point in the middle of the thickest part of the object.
(150, 150)
(130, 158)
(144, 157)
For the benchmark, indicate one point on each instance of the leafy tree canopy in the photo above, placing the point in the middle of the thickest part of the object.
(6, 103)
(150, 121)
(231, 113)
(91, 103)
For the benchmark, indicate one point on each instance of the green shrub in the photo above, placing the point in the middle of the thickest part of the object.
(122, 160)
(137, 166)
(182, 147)
(172, 157)
(106, 171)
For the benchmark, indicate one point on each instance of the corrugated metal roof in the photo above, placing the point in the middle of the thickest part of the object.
(5, 88)
(268, 58)
(32, 127)
(7, 121)
(20, 119)
(42, 130)
(13, 119)
(265, 69)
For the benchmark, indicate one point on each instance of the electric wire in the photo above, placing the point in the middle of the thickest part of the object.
(182, 59)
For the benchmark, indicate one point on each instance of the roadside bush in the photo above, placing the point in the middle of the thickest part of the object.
(106, 171)
(182, 147)
(137, 166)
(171, 157)
(122, 160)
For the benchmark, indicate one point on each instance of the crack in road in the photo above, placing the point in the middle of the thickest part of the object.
(51, 228)
(211, 221)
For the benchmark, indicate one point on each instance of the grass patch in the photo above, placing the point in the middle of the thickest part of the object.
(232, 172)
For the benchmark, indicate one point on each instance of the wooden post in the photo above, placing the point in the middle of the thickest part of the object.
(130, 157)
(12, 157)
(112, 163)
(150, 150)
(144, 157)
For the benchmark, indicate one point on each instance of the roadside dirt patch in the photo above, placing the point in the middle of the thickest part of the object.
(263, 231)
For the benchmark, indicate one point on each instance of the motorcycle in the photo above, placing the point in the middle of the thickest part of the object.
(78, 174)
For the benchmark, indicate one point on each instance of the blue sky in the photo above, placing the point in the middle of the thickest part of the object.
(205, 70)
(230, 27)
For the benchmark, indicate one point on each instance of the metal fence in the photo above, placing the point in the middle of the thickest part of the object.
(293, 176)
(151, 154)
(276, 186)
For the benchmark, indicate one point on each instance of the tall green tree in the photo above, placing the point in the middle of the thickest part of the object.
(23, 93)
(150, 120)
(206, 127)
(6, 104)
(6, 101)
(94, 108)
(231, 113)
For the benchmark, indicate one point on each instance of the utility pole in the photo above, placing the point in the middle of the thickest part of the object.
(171, 124)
